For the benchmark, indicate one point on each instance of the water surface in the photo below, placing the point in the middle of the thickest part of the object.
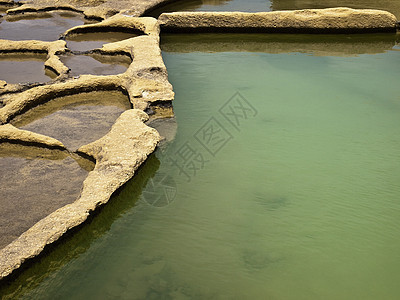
(325, 45)
(90, 41)
(38, 26)
(75, 120)
(96, 64)
(212, 5)
(281, 183)
(34, 183)
(24, 68)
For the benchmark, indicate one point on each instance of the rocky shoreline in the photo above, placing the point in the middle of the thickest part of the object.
(130, 141)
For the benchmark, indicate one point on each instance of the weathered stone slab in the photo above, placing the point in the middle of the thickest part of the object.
(117, 155)
(119, 22)
(97, 9)
(11, 134)
(331, 20)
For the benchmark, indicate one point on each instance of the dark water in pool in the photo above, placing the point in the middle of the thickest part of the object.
(96, 64)
(213, 5)
(34, 183)
(76, 120)
(281, 183)
(24, 68)
(90, 41)
(42, 26)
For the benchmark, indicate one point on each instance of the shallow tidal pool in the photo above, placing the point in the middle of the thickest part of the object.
(282, 182)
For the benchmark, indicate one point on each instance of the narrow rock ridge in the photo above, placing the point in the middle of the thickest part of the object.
(146, 79)
(330, 20)
(11, 134)
(119, 22)
(129, 142)
(118, 155)
(91, 9)
(31, 46)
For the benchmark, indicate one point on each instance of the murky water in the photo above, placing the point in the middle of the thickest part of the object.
(213, 5)
(40, 26)
(281, 183)
(90, 41)
(23, 68)
(33, 185)
(96, 64)
(267, 5)
(76, 120)
(325, 45)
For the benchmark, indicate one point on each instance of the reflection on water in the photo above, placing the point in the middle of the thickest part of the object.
(212, 5)
(301, 203)
(96, 64)
(23, 68)
(75, 120)
(40, 26)
(322, 45)
(34, 183)
(70, 248)
(90, 41)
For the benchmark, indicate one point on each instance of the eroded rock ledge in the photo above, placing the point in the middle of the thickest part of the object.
(130, 141)
(91, 9)
(117, 155)
(331, 20)
(11, 134)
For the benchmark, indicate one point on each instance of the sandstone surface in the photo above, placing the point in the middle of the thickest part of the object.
(330, 20)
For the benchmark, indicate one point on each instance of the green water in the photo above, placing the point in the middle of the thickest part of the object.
(298, 200)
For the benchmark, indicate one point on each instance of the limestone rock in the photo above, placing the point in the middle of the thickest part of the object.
(97, 9)
(120, 21)
(9, 133)
(331, 20)
(118, 155)
(31, 46)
